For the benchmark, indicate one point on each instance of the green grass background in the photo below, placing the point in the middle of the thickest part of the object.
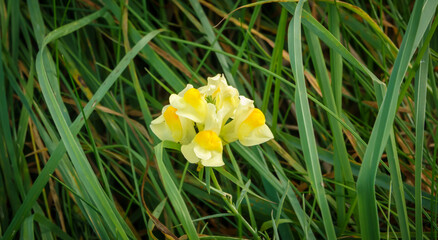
(348, 88)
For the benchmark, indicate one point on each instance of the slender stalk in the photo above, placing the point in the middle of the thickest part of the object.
(232, 207)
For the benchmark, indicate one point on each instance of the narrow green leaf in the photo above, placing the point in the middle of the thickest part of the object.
(208, 30)
(56, 156)
(420, 113)
(305, 120)
(27, 231)
(365, 183)
(175, 198)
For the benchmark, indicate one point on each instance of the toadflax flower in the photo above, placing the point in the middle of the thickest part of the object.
(172, 127)
(226, 98)
(199, 119)
(248, 126)
(206, 147)
(190, 103)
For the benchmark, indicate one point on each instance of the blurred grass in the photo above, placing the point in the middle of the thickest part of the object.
(80, 82)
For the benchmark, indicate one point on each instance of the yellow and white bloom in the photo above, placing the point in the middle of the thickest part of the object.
(248, 126)
(190, 103)
(206, 146)
(169, 126)
(209, 108)
(225, 97)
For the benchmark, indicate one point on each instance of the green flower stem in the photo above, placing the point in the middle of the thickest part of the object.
(232, 207)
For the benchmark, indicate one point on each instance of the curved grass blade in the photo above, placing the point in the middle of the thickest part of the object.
(420, 112)
(60, 150)
(313, 25)
(341, 162)
(369, 220)
(305, 120)
(174, 196)
(110, 216)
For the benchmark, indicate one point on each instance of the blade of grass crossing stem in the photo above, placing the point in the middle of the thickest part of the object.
(44, 65)
(416, 63)
(174, 196)
(397, 185)
(37, 20)
(420, 112)
(243, 47)
(336, 64)
(38, 25)
(305, 120)
(278, 66)
(138, 91)
(60, 150)
(369, 220)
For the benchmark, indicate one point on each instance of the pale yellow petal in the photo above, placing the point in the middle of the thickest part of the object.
(202, 153)
(209, 140)
(227, 102)
(189, 86)
(160, 129)
(229, 132)
(215, 161)
(213, 122)
(255, 119)
(188, 130)
(189, 153)
(258, 136)
(173, 122)
(191, 105)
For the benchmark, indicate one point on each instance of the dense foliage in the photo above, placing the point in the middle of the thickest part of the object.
(348, 90)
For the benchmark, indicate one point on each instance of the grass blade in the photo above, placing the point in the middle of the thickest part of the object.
(212, 40)
(56, 156)
(174, 196)
(305, 121)
(420, 113)
(341, 161)
(380, 133)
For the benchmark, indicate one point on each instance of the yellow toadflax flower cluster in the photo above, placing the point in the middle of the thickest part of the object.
(198, 119)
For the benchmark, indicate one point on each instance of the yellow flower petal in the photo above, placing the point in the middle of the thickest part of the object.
(174, 123)
(189, 153)
(205, 147)
(190, 104)
(214, 161)
(257, 136)
(208, 140)
(193, 97)
(161, 129)
(248, 125)
(255, 119)
(169, 126)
